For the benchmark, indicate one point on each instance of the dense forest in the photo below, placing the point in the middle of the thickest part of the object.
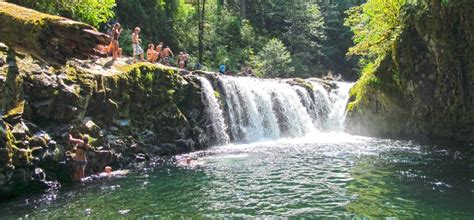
(276, 38)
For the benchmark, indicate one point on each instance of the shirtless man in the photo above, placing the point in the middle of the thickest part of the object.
(137, 50)
(159, 50)
(166, 54)
(80, 160)
(151, 54)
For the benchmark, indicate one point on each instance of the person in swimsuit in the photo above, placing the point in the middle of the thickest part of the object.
(80, 160)
(166, 54)
(151, 54)
(137, 50)
(182, 60)
(159, 48)
(115, 47)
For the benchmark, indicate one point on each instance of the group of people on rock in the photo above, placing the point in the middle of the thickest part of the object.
(159, 54)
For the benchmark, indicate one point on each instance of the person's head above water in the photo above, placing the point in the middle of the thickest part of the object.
(188, 159)
(108, 169)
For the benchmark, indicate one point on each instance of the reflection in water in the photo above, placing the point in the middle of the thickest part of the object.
(324, 175)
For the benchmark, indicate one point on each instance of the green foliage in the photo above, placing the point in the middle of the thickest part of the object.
(375, 24)
(235, 31)
(93, 12)
(273, 60)
(169, 21)
(125, 42)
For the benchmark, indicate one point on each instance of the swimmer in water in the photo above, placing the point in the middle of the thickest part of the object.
(189, 161)
(108, 170)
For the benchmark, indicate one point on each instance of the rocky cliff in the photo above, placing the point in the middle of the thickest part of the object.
(424, 87)
(130, 111)
(50, 38)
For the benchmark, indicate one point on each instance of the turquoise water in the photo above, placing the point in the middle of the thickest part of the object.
(326, 175)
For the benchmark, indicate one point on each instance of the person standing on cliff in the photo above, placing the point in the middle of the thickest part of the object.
(166, 54)
(159, 49)
(182, 60)
(137, 50)
(115, 47)
(80, 159)
(222, 69)
(151, 54)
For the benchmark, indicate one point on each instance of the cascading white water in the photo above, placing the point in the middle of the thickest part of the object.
(214, 112)
(339, 98)
(309, 104)
(265, 109)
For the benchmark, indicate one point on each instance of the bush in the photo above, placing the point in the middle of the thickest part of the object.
(273, 60)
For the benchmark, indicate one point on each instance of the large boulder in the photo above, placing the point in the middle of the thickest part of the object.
(47, 37)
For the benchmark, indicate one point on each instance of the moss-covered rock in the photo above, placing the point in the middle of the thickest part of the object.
(47, 37)
(424, 87)
(131, 112)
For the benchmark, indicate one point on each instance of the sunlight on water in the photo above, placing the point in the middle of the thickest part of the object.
(288, 160)
(320, 175)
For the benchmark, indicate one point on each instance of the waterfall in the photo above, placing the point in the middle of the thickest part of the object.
(339, 98)
(214, 113)
(253, 109)
(264, 109)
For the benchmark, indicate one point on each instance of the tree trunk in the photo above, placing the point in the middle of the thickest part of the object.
(48, 38)
(243, 8)
(201, 15)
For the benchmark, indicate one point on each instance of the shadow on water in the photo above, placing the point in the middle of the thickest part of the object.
(150, 192)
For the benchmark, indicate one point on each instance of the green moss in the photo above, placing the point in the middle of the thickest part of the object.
(18, 109)
(217, 94)
(364, 85)
(10, 143)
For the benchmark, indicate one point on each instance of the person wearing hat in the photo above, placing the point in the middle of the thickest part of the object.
(80, 159)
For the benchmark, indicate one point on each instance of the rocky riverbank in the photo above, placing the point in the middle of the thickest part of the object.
(131, 113)
(424, 88)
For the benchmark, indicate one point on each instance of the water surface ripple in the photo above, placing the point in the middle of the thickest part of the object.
(323, 175)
